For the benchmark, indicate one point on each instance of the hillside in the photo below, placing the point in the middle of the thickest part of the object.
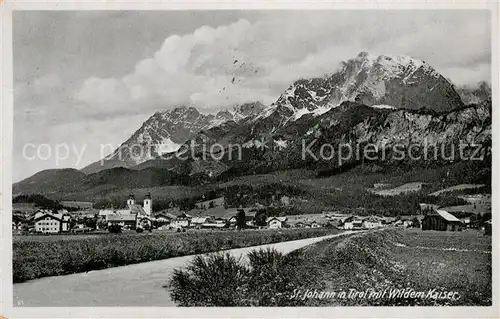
(49, 182)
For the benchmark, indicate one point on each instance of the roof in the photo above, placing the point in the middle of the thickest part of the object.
(449, 217)
(167, 215)
(57, 217)
(199, 220)
(104, 212)
(136, 208)
(121, 217)
(281, 219)
(85, 212)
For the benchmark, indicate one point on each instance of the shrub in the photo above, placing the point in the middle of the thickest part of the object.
(269, 279)
(217, 280)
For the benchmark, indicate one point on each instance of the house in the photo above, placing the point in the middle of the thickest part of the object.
(196, 222)
(407, 221)
(164, 217)
(353, 223)
(315, 224)
(232, 220)
(441, 220)
(103, 213)
(51, 222)
(183, 221)
(218, 222)
(276, 222)
(88, 213)
(124, 220)
(299, 225)
(371, 222)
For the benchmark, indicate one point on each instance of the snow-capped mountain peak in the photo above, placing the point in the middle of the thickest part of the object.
(165, 132)
(396, 80)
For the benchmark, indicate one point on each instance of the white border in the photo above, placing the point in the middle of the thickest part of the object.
(6, 298)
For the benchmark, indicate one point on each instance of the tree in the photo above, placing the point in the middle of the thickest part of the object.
(240, 218)
(211, 204)
(260, 218)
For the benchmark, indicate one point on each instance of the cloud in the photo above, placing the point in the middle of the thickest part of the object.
(217, 67)
(85, 143)
(468, 76)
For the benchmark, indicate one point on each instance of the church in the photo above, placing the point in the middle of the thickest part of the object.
(134, 215)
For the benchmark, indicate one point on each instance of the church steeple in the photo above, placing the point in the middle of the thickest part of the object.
(131, 200)
(148, 204)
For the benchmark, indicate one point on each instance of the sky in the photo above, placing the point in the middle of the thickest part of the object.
(87, 78)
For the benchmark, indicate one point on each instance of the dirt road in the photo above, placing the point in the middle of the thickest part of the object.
(133, 285)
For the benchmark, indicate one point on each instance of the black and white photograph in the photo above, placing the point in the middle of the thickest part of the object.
(252, 158)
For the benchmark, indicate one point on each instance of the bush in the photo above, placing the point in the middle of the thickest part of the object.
(269, 279)
(217, 280)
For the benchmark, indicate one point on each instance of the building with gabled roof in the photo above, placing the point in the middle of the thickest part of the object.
(441, 220)
(276, 222)
(49, 222)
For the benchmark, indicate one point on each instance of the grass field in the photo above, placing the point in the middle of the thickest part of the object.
(41, 256)
(374, 268)
(407, 259)
(457, 188)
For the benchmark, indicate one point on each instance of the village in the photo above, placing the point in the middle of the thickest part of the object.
(81, 217)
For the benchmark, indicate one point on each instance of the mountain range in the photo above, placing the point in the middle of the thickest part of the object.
(369, 99)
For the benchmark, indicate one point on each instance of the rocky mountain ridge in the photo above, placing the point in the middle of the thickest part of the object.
(390, 99)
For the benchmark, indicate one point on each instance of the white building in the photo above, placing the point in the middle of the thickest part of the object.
(48, 222)
(183, 220)
(276, 222)
(353, 223)
(372, 222)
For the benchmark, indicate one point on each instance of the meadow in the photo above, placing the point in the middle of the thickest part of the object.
(408, 259)
(41, 256)
(373, 261)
